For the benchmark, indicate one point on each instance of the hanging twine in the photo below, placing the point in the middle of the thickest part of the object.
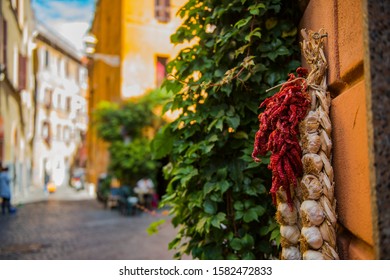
(316, 191)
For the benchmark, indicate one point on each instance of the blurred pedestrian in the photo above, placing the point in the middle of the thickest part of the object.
(145, 191)
(5, 191)
(46, 182)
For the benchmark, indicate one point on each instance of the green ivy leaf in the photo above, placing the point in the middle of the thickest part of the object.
(240, 135)
(200, 226)
(174, 243)
(271, 23)
(162, 143)
(251, 215)
(242, 22)
(210, 207)
(275, 234)
(236, 244)
(217, 220)
(154, 227)
(248, 256)
(247, 241)
(238, 205)
(233, 122)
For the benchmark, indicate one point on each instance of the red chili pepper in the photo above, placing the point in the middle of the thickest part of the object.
(278, 132)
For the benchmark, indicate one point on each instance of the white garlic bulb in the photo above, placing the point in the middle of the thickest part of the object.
(312, 255)
(312, 236)
(311, 187)
(311, 123)
(312, 163)
(285, 215)
(291, 253)
(311, 213)
(311, 143)
(291, 233)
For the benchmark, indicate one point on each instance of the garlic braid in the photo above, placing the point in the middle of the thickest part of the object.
(318, 205)
(290, 226)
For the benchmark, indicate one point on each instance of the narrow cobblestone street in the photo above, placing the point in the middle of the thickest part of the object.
(82, 229)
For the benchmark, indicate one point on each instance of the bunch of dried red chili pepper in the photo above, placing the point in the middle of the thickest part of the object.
(279, 133)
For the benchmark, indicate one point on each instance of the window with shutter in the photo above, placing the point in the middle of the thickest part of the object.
(67, 70)
(4, 44)
(22, 72)
(48, 98)
(47, 58)
(162, 9)
(161, 71)
(68, 104)
(46, 132)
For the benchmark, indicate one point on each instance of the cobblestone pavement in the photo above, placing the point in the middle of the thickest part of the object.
(68, 230)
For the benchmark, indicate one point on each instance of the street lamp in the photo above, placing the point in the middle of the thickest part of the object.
(90, 41)
(90, 44)
(2, 72)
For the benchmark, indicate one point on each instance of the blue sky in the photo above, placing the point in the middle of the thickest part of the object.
(71, 18)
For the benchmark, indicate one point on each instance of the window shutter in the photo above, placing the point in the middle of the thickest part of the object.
(46, 132)
(48, 98)
(162, 10)
(5, 42)
(22, 72)
(167, 10)
(161, 70)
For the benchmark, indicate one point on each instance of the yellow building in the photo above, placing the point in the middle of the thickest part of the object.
(132, 49)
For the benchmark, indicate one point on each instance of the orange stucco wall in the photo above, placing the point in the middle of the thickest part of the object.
(343, 21)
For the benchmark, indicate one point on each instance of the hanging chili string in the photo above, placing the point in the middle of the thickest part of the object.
(279, 133)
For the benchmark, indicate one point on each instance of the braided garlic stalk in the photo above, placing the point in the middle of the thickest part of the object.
(290, 226)
(317, 209)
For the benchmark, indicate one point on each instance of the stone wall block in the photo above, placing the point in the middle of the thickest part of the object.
(350, 161)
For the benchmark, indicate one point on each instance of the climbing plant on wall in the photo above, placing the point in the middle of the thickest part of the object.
(219, 196)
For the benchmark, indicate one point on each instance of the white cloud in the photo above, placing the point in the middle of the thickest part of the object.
(73, 31)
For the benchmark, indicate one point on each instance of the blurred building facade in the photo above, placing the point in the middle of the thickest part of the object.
(61, 109)
(16, 92)
(132, 49)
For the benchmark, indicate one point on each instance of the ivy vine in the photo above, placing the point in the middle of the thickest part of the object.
(218, 196)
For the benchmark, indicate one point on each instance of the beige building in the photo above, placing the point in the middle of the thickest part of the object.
(16, 92)
(61, 109)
